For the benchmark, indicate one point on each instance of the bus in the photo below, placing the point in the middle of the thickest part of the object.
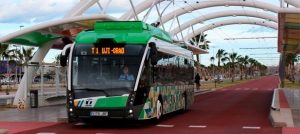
(127, 70)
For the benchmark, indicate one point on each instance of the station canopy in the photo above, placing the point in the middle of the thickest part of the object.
(289, 32)
(37, 38)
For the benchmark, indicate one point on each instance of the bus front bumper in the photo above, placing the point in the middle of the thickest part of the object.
(111, 113)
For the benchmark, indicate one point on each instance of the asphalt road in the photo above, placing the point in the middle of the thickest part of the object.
(239, 109)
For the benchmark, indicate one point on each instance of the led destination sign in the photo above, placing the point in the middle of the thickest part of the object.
(108, 50)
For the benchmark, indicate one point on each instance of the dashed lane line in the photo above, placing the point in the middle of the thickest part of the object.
(45, 133)
(251, 127)
(160, 125)
(197, 126)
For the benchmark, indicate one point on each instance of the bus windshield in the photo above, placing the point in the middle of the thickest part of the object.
(102, 69)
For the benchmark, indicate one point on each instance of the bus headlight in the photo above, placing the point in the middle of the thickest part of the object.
(130, 113)
(131, 99)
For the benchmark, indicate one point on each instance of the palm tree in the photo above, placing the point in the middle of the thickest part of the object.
(198, 39)
(220, 54)
(240, 61)
(212, 60)
(24, 56)
(290, 65)
(233, 57)
(246, 62)
(243, 62)
(6, 54)
(3, 55)
(253, 63)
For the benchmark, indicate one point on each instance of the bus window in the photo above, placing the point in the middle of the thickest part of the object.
(102, 71)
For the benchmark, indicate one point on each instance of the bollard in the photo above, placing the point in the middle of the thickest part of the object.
(34, 99)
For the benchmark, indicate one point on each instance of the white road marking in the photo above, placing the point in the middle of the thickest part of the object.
(255, 88)
(45, 133)
(164, 125)
(246, 88)
(250, 127)
(104, 133)
(197, 126)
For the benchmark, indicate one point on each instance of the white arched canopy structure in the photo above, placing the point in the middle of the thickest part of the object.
(46, 25)
(231, 22)
(266, 16)
(295, 3)
(206, 4)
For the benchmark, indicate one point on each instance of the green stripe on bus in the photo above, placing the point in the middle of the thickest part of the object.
(111, 102)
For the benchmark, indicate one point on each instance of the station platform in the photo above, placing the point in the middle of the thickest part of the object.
(285, 110)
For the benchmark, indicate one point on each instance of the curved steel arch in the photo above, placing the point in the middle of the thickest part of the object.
(223, 14)
(231, 22)
(80, 7)
(206, 4)
(140, 8)
(83, 5)
(295, 3)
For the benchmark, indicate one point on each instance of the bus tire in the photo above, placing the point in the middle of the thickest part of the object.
(159, 109)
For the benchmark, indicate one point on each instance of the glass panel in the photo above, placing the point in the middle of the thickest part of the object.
(103, 72)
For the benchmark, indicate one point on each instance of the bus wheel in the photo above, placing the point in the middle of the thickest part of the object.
(159, 109)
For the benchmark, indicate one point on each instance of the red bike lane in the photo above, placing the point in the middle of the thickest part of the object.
(238, 109)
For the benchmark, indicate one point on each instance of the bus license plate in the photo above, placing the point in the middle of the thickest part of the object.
(99, 113)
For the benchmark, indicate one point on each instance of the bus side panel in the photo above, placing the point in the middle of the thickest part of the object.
(190, 95)
(172, 99)
(149, 109)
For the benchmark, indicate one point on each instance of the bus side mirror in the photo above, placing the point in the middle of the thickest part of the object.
(153, 53)
(63, 58)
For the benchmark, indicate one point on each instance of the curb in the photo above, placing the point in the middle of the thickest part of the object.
(203, 91)
(280, 113)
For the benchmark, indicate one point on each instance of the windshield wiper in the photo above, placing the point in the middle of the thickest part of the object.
(92, 89)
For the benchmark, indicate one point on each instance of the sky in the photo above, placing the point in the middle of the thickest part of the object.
(27, 13)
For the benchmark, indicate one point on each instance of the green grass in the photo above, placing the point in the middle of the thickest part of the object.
(211, 85)
(289, 84)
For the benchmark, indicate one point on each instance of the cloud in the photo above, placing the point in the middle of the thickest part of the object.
(33, 10)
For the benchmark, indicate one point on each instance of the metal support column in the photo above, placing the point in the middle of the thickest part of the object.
(56, 79)
(180, 28)
(42, 80)
(159, 15)
(135, 14)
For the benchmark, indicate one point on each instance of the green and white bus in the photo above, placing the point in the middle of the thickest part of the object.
(128, 70)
